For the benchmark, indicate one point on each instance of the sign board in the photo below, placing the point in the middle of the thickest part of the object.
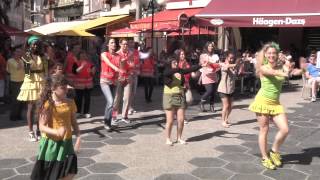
(271, 22)
(318, 60)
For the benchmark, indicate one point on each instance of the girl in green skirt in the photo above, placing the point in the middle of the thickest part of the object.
(56, 158)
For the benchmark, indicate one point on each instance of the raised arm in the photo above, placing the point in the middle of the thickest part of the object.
(105, 59)
(265, 71)
(43, 125)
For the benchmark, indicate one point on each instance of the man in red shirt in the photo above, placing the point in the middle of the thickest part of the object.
(124, 83)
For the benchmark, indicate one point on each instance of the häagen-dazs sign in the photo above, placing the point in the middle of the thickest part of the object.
(276, 22)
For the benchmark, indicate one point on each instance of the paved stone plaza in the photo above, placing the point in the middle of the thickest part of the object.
(138, 151)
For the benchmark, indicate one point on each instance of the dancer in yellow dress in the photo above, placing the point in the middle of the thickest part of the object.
(35, 71)
(266, 104)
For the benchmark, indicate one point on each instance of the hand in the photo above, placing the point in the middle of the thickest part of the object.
(61, 132)
(121, 71)
(77, 145)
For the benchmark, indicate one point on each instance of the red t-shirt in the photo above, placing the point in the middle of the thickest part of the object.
(185, 65)
(3, 64)
(106, 71)
(147, 67)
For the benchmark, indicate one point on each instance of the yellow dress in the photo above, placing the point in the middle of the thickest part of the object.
(267, 99)
(34, 80)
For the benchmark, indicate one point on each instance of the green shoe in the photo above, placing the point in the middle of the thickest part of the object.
(276, 158)
(268, 164)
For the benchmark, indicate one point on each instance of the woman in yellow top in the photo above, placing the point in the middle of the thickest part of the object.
(266, 104)
(56, 157)
(35, 70)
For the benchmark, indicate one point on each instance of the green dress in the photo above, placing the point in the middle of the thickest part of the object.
(56, 158)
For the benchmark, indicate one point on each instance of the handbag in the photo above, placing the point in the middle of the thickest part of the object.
(189, 97)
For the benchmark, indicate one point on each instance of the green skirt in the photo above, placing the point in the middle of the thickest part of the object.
(177, 101)
(56, 159)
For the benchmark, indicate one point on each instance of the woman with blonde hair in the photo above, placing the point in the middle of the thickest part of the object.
(266, 104)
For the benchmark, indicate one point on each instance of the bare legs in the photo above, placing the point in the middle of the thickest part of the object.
(263, 134)
(226, 110)
(281, 122)
(169, 123)
(30, 110)
(180, 118)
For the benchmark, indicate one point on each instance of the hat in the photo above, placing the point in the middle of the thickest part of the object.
(32, 39)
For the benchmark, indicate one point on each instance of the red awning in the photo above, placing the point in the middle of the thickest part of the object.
(124, 32)
(263, 13)
(10, 31)
(194, 31)
(163, 17)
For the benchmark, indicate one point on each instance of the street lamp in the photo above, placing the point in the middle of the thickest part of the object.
(152, 5)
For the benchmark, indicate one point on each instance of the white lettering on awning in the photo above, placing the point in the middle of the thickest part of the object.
(272, 22)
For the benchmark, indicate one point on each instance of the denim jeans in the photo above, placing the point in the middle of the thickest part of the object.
(211, 90)
(107, 92)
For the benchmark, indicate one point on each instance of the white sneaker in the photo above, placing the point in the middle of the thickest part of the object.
(32, 137)
(108, 128)
(114, 122)
(313, 99)
(87, 115)
(132, 111)
(186, 121)
(126, 120)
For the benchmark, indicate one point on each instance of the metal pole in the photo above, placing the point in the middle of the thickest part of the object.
(22, 15)
(152, 23)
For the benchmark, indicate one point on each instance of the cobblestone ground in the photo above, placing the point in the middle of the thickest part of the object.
(138, 152)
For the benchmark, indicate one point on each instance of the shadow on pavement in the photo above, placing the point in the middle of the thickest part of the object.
(304, 158)
(207, 136)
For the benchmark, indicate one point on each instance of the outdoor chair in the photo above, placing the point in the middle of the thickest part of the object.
(306, 88)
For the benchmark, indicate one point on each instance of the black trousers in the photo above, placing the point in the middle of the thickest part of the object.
(148, 83)
(83, 94)
(211, 90)
(16, 106)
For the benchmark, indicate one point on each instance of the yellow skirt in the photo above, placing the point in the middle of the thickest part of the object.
(267, 106)
(30, 91)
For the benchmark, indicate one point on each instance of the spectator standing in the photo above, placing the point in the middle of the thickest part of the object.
(15, 68)
(83, 71)
(134, 74)
(2, 78)
(147, 72)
